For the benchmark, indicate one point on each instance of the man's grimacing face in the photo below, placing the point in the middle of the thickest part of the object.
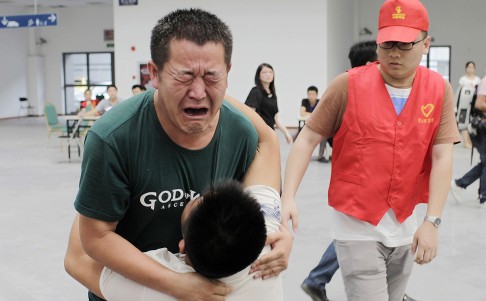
(191, 85)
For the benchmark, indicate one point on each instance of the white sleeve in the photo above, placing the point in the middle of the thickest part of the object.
(462, 81)
(269, 200)
(119, 288)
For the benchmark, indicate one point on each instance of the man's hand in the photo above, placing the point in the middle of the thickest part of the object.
(290, 212)
(194, 287)
(425, 243)
(277, 260)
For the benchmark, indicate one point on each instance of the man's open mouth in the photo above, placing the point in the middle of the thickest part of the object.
(196, 112)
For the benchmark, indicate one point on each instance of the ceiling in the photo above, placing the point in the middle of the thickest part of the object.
(56, 3)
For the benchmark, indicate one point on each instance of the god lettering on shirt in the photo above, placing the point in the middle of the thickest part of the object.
(167, 199)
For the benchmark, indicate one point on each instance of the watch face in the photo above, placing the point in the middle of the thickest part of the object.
(437, 221)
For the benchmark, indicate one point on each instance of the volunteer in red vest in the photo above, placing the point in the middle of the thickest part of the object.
(394, 129)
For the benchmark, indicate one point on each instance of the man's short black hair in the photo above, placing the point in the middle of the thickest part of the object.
(312, 88)
(194, 25)
(142, 88)
(225, 232)
(362, 53)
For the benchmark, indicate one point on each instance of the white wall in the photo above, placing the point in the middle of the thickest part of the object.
(78, 29)
(341, 36)
(289, 35)
(459, 24)
(13, 66)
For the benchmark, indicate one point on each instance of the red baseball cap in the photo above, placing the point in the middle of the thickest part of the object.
(401, 21)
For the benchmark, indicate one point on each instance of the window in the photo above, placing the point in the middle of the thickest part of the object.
(439, 60)
(83, 70)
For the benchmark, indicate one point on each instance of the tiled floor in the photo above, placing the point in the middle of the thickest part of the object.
(38, 186)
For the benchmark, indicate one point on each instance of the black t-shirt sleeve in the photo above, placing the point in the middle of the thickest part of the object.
(304, 104)
(254, 98)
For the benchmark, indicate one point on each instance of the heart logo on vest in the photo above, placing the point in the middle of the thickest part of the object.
(427, 109)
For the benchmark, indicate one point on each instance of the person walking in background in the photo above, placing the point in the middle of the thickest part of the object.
(469, 80)
(263, 99)
(394, 128)
(478, 171)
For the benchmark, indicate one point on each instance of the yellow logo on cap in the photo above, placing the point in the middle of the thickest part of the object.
(398, 14)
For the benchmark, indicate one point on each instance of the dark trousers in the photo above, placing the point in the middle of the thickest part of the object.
(478, 171)
(323, 272)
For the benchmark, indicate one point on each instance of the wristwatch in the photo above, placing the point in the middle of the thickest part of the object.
(435, 220)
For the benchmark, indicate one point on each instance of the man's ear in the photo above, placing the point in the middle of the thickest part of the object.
(427, 45)
(229, 67)
(182, 247)
(154, 74)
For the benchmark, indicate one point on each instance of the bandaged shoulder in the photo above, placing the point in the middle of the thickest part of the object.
(269, 200)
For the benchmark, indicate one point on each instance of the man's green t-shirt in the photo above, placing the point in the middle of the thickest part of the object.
(133, 173)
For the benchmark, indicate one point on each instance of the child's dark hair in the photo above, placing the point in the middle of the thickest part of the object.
(225, 232)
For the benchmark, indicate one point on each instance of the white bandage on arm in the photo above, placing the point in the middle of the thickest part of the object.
(269, 200)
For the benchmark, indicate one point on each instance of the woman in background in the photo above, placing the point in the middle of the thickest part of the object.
(88, 103)
(470, 79)
(263, 99)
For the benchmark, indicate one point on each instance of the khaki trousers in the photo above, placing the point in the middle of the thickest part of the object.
(372, 271)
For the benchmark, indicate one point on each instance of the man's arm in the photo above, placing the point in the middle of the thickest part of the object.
(282, 127)
(303, 112)
(265, 170)
(425, 241)
(297, 163)
(101, 243)
(79, 265)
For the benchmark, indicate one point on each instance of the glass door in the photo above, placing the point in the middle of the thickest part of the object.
(86, 70)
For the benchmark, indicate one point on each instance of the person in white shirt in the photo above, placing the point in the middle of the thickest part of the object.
(470, 79)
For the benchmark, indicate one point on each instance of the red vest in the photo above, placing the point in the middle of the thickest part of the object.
(381, 160)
